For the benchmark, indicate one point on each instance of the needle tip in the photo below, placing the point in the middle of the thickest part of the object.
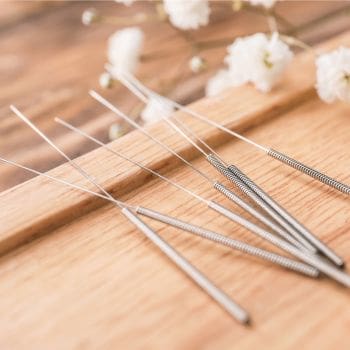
(13, 108)
(93, 93)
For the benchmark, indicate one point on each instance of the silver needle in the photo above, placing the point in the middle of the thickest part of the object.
(317, 175)
(312, 260)
(218, 295)
(185, 226)
(273, 208)
(218, 186)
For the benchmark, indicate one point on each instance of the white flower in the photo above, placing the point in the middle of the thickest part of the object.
(219, 82)
(258, 59)
(197, 64)
(124, 48)
(333, 75)
(266, 3)
(89, 16)
(115, 131)
(125, 2)
(105, 80)
(187, 14)
(155, 110)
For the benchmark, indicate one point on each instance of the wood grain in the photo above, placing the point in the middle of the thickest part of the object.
(93, 282)
(49, 61)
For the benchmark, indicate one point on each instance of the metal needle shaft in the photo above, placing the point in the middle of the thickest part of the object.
(188, 227)
(218, 295)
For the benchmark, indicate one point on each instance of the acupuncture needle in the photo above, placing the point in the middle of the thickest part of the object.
(177, 223)
(324, 267)
(217, 294)
(190, 228)
(291, 233)
(218, 186)
(253, 191)
(317, 175)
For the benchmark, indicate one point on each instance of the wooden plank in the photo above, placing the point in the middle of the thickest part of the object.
(237, 110)
(97, 283)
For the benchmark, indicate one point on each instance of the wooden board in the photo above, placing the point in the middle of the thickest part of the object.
(92, 281)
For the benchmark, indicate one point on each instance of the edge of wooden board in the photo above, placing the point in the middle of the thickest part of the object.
(36, 207)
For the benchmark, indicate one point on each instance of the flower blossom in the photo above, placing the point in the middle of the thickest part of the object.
(156, 109)
(258, 59)
(197, 64)
(333, 75)
(218, 83)
(265, 3)
(124, 49)
(187, 14)
(89, 16)
(125, 2)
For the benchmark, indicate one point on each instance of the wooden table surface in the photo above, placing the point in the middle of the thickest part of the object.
(49, 61)
(74, 274)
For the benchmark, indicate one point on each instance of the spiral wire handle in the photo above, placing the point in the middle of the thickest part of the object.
(276, 228)
(252, 195)
(143, 94)
(269, 151)
(229, 194)
(212, 205)
(185, 226)
(325, 250)
(229, 242)
(217, 294)
(309, 171)
(200, 279)
(337, 275)
(313, 260)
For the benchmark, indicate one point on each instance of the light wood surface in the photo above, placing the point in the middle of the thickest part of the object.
(92, 281)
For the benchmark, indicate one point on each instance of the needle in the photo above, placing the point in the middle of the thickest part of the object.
(312, 260)
(218, 295)
(218, 186)
(256, 193)
(288, 230)
(211, 289)
(187, 227)
(269, 151)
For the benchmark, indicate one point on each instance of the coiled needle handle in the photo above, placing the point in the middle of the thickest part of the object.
(309, 171)
(253, 196)
(255, 213)
(219, 296)
(326, 251)
(230, 242)
(313, 260)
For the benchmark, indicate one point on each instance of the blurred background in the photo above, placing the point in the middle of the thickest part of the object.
(49, 60)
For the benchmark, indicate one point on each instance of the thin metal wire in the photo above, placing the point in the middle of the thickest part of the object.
(324, 249)
(186, 267)
(117, 111)
(217, 294)
(70, 161)
(185, 226)
(307, 170)
(166, 179)
(144, 93)
(173, 126)
(202, 118)
(313, 260)
(212, 205)
(279, 210)
(262, 204)
(251, 211)
(67, 183)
